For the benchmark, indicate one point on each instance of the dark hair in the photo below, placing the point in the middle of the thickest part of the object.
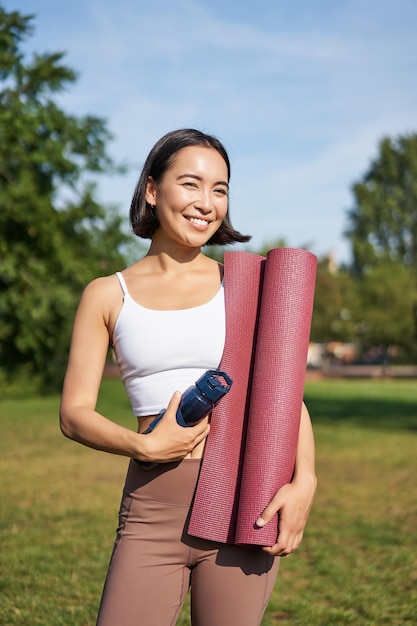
(142, 216)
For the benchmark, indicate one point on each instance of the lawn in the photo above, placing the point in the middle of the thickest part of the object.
(358, 561)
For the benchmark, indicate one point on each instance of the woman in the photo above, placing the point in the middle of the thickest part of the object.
(164, 317)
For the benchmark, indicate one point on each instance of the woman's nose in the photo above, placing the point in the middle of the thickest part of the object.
(203, 202)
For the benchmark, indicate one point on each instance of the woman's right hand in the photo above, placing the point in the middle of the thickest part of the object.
(170, 442)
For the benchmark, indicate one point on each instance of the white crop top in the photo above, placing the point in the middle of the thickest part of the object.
(159, 352)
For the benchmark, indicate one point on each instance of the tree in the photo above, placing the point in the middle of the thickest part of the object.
(54, 235)
(383, 234)
(387, 313)
(335, 304)
(383, 222)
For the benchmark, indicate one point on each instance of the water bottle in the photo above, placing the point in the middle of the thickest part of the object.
(199, 399)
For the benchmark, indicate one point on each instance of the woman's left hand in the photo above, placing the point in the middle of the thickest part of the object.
(292, 503)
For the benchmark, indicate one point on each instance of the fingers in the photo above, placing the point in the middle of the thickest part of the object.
(197, 432)
(291, 520)
(173, 405)
(270, 511)
(169, 441)
(286, 544)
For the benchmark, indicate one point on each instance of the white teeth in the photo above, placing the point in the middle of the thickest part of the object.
(197, 220)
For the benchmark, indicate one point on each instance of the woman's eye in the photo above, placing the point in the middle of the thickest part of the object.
(190, 184)
(221, 191)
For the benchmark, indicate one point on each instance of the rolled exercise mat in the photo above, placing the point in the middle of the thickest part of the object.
(277, 387)
(215, 502)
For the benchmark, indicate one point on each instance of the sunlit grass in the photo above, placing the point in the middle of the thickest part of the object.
(357, 564)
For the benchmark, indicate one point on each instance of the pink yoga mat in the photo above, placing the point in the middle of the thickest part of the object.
(215, 503)
(252, 444)
(277, 387)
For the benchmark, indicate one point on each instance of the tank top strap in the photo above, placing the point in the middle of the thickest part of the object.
(122, 283)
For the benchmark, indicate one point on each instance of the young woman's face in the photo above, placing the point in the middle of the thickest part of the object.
(191, 199)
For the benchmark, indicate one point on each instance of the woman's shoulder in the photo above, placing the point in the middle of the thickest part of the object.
(102, 288)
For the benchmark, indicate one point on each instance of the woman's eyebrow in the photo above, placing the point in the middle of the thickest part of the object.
(199, 178)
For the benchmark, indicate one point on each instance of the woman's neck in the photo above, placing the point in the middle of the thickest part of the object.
(175, 258)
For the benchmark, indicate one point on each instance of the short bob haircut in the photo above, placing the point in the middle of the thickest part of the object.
(142, 216)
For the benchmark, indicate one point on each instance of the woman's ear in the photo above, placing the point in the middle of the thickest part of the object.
(150, 193)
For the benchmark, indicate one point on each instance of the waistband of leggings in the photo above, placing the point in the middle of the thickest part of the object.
(173, 483)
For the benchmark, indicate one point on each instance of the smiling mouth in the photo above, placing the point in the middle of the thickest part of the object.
(198, 221)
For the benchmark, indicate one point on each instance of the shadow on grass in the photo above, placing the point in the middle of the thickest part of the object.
(381, 414)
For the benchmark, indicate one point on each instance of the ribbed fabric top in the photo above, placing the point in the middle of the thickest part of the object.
(159, 352)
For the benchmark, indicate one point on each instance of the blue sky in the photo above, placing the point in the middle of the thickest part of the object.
(300, 92)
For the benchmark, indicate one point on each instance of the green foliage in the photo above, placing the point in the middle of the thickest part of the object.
(388, 299)
(383, 233)
(374, 310)
(54, 236)
(383, 222)
(335, 304)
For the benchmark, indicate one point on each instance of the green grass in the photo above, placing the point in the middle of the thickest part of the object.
(358, 561)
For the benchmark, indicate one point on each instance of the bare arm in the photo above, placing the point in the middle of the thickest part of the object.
(293, 501)
(79, 419)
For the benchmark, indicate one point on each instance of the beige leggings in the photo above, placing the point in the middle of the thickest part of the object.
(155, 561)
